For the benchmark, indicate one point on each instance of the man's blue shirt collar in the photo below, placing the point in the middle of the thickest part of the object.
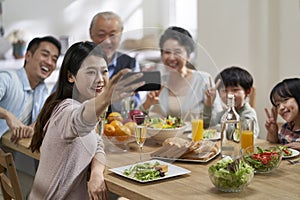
(23, 76)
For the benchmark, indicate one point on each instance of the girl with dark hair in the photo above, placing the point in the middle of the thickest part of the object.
(65, 128)
(285, 98)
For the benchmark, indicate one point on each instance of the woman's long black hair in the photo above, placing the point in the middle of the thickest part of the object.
(73, 59)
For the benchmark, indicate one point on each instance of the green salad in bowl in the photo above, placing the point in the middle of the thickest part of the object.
(231, 175)
(162, 128)
(166, 122)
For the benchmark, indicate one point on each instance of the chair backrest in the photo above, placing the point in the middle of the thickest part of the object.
(9, 181)
(252, 97)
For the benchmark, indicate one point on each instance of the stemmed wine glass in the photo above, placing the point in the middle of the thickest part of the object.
(141, 131)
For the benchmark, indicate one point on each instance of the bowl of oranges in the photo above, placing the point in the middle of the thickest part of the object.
(118, 132)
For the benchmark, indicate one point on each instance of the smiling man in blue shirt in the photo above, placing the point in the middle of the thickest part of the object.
(23, 91)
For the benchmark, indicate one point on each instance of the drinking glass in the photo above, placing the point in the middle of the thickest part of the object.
(100, 125)
(127, 105)
(247, 136)
(197, 126)
(141, 131)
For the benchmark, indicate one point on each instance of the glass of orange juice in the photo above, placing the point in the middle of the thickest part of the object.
(197, 126)
(247, 136)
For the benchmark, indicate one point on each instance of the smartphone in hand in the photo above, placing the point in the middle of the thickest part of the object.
(152, 80)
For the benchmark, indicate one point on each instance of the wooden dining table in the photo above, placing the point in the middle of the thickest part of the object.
(282, 183)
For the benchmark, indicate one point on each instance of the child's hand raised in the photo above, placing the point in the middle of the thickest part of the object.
(211, 92)
(271, 125)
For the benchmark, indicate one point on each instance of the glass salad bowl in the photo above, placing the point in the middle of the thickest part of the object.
(229, 175)
(263, 160)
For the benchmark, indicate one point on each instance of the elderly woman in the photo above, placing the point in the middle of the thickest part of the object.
(185, 89)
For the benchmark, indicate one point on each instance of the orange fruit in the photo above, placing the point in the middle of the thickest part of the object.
(125, 130)
(131, 126)
(122, 130)
(114, 116)
(116, 123)
(109, 130)
(123, 133)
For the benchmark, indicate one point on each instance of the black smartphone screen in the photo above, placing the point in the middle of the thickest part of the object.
(152, 80)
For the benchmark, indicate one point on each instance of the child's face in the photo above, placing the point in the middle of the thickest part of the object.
(91, 78)
(288, 109)
(237, 91)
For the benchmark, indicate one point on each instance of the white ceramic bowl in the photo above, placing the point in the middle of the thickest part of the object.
(160, 135)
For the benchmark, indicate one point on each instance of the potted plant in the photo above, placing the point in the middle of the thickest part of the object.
(18, 40)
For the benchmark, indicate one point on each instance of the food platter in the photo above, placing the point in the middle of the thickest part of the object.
(177, 149)
(294, 153)
(196, 160)
(173, 171)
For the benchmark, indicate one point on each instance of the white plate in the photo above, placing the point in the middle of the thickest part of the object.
(173, 170)
(217, 137)
(294, 153)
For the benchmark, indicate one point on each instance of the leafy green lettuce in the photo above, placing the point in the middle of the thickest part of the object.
(231, 174)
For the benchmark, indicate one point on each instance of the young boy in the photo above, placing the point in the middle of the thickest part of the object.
(239, 82)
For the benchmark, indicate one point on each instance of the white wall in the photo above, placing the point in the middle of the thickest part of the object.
(72, 17)
(260, 35)
(289, 41)
(66, 17)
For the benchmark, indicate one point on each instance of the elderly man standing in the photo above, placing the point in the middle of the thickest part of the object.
(106, 30)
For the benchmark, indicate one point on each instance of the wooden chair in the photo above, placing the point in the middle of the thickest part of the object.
(9, 181)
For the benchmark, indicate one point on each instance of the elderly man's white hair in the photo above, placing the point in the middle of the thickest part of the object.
(108, 15)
